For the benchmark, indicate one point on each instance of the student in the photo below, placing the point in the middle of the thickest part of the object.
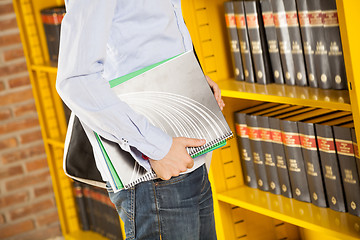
(100, 41)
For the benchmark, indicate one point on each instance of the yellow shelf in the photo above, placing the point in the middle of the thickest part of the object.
(84, 235)
(306, 215)
(55, 142)
(305, 96)
(49, 68)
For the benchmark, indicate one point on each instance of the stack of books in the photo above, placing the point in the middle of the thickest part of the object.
(293, 42)
(304, 153)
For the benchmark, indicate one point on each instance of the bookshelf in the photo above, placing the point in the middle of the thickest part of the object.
(240, 212)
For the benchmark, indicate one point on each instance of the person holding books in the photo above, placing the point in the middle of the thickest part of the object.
(101, 41)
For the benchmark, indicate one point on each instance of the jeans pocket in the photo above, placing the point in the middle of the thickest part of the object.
(124, 202)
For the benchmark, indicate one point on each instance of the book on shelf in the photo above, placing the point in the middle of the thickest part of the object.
(258, 45)
(81, 205)
(312, 163)
(279, 153)
(234, 42)
(283, 35)
(330, 167)
(242, 31)
(257, 152)
(246, 158)
(51, 18)
(333, 44)
(295, 160)
(272, 41)
(268, 154)
(348, 169)
(313, 39)
(173, 95)
(296, 43)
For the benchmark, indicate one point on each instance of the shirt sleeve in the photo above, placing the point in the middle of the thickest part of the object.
(84, 34)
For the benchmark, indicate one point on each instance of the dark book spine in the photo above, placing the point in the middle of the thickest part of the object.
(296, 44)
(272, 41)
(268, 154)
(334, 46)
(306, 17)
(295, 161)
(258, 51)
(89, 207)
(81, 207)
(330, 167)
(279, 154)
(256, 149)
(51, 18)
(283, 36)
(246, 158)
(233, 40)
(244, 41)
(348, 168)
(312, 164)
(97, 211)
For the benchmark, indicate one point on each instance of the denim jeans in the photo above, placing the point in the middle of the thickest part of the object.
(179, 208)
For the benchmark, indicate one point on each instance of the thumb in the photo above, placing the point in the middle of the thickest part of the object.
(194, 142)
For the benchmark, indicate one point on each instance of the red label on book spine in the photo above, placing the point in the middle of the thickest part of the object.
(265, 134)
(344, 147)
(242, 130)
(252, 21)
(254, 133)
(330, 18)
(308, 142)
(54, 19)
(240, 21)
(280, 19)
(268, 18)
(291, 139)
(276, 136)
(326, 144)
(291, 19)
(230, 20)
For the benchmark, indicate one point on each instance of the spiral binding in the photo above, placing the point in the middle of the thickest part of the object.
(196, 150)
(148, 176)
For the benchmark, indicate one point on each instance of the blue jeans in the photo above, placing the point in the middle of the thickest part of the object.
(179, 208)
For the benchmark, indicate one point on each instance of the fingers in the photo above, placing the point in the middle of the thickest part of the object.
(193, 142)
(217, 92)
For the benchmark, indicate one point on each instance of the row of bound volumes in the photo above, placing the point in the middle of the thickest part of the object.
(96, 212)
(304, 153)
(292, 42)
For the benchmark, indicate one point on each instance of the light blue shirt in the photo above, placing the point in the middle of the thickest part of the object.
(104, 39)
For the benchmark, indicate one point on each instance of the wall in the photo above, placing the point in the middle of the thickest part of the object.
(27, 203)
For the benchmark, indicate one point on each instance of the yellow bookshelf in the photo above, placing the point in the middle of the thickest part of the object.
(240, 212)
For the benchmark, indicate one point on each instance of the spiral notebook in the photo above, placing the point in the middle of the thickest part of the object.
(173, 95)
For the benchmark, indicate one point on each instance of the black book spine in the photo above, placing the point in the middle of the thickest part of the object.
(330, 167)
(244, 41)
(89, 203)
(283, 36)
(51, 18)
(233, 40)
(296, 44)
(312, 164)
(272, 41)
(348, 168)
(309, 42)
(246, 158)
(256, 149)
(295, 161)
(334, 46)
(268, 155)
(256, 38)
(81, 207)
(279, 154)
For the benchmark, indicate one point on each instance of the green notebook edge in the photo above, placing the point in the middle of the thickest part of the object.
(113, 172)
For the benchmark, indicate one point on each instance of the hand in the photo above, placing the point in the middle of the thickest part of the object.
(177, 160)
(217, 92)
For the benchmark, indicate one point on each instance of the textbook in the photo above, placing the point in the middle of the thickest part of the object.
(173, 95)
